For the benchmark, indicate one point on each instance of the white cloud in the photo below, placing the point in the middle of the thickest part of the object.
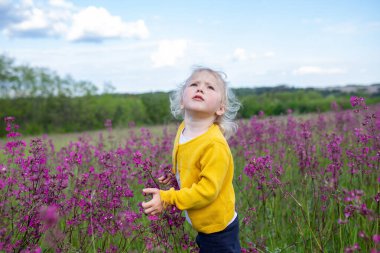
(239, 54)
(137, 29)
(61, 18)
(61, 3)
(168, 52)
(4, 2)
(95, 23)
(35, 20)
(27, 2)
(30, 20)
(307, 70)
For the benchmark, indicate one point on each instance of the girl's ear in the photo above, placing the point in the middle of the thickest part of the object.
(221, 110)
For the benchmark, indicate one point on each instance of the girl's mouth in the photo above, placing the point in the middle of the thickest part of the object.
(199, 98)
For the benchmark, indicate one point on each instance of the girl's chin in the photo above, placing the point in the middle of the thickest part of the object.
(200, 113)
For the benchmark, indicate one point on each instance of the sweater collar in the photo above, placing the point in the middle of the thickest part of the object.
(176, 142)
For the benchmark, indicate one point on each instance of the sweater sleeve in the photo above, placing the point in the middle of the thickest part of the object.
(214, 166)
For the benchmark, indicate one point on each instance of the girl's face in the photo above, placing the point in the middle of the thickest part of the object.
(203, 95)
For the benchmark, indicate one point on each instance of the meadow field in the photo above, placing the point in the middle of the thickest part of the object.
(303, 184)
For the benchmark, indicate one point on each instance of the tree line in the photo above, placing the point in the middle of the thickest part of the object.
(44, 102)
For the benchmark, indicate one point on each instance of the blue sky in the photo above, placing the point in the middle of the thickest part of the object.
(150, 45)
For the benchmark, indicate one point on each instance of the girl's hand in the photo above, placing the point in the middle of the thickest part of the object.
(154, 206)
(165, 179)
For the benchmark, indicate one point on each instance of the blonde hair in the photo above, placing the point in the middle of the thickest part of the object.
(231, 104)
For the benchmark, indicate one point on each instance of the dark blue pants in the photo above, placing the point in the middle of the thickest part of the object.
(225, 241)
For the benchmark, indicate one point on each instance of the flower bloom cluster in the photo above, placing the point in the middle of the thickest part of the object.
(317, 177)
(302, 184)
(85, 197)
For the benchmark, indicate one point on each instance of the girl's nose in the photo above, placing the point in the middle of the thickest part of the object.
(200, 90)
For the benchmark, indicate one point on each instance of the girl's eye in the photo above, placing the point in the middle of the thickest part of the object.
(211, 87)
(193, 84)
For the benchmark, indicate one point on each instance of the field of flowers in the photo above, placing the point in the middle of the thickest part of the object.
(303, 184)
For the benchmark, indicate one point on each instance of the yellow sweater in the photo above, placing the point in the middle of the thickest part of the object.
(206, 169)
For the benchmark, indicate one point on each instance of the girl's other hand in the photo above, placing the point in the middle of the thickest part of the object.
(154, 206)
(165, 179)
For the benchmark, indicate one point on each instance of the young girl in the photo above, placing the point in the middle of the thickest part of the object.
(202, 162)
